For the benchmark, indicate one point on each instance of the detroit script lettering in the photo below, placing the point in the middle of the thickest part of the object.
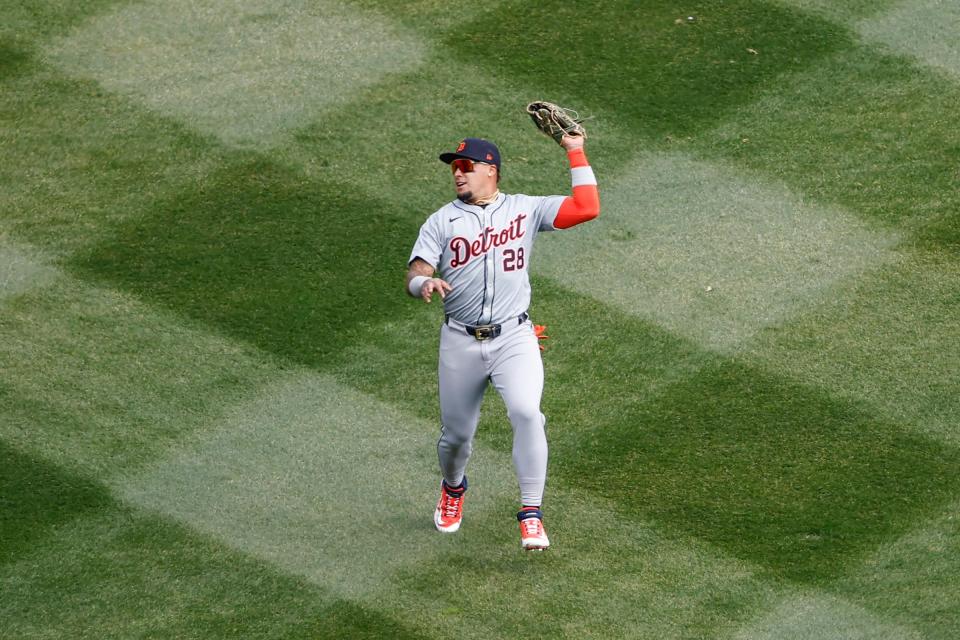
(465, 249)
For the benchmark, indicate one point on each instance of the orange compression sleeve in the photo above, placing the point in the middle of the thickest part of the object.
(584, 204)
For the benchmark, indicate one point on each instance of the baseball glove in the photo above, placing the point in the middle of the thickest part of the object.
(556, 121)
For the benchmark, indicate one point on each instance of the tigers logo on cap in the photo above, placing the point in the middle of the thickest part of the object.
(476, 149)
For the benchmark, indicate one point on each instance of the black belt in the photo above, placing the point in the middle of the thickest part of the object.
(486, 331)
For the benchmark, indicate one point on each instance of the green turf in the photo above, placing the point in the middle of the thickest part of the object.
(650, 585)
(119, 574)
(709, 253)
(244, 74)
(264, 255)
(898, 164)
(845, 11)
(86, 159)
(218, 410)
(637, 64)
(806, 617)
(21, 269)
(887, 339)
(914, 578)
(769, 470)
(12, 59)
(923, 31)
(284, 476)
(27, 21)
(407, 170)
(36, 498)
(87, 395)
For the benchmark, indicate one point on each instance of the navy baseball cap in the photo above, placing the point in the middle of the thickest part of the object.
(476, 149)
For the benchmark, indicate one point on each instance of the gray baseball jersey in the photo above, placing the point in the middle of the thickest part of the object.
(484, 254)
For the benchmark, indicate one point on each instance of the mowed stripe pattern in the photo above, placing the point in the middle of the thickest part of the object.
(205, 357)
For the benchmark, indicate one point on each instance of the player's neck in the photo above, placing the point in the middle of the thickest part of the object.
(485, 200)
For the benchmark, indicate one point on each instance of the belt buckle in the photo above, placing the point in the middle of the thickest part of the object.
(485, 332)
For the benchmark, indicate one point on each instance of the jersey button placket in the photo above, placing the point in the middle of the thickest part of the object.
(488, 309)
(488, 269)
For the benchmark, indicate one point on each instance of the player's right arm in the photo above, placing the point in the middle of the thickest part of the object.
(422, 284)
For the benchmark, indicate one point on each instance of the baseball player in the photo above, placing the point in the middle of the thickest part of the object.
(475, 253)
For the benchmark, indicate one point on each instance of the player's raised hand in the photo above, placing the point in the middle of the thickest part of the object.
(571, 142)
(434, 285)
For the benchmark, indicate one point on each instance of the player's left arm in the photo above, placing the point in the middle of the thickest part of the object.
(584, 204)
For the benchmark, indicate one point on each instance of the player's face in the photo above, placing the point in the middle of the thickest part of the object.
(473, 179)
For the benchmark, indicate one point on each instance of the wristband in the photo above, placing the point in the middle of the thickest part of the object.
(581, 176)
(416, 285)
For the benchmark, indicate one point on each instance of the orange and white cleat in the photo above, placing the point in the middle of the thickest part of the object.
(449, 511)
(533, 537)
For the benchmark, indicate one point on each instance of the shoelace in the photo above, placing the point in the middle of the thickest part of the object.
(532, 527)
(451, 504)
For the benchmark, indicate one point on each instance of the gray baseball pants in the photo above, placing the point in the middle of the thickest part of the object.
(511, 363)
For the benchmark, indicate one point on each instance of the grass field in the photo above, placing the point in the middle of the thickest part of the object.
(217, 409)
